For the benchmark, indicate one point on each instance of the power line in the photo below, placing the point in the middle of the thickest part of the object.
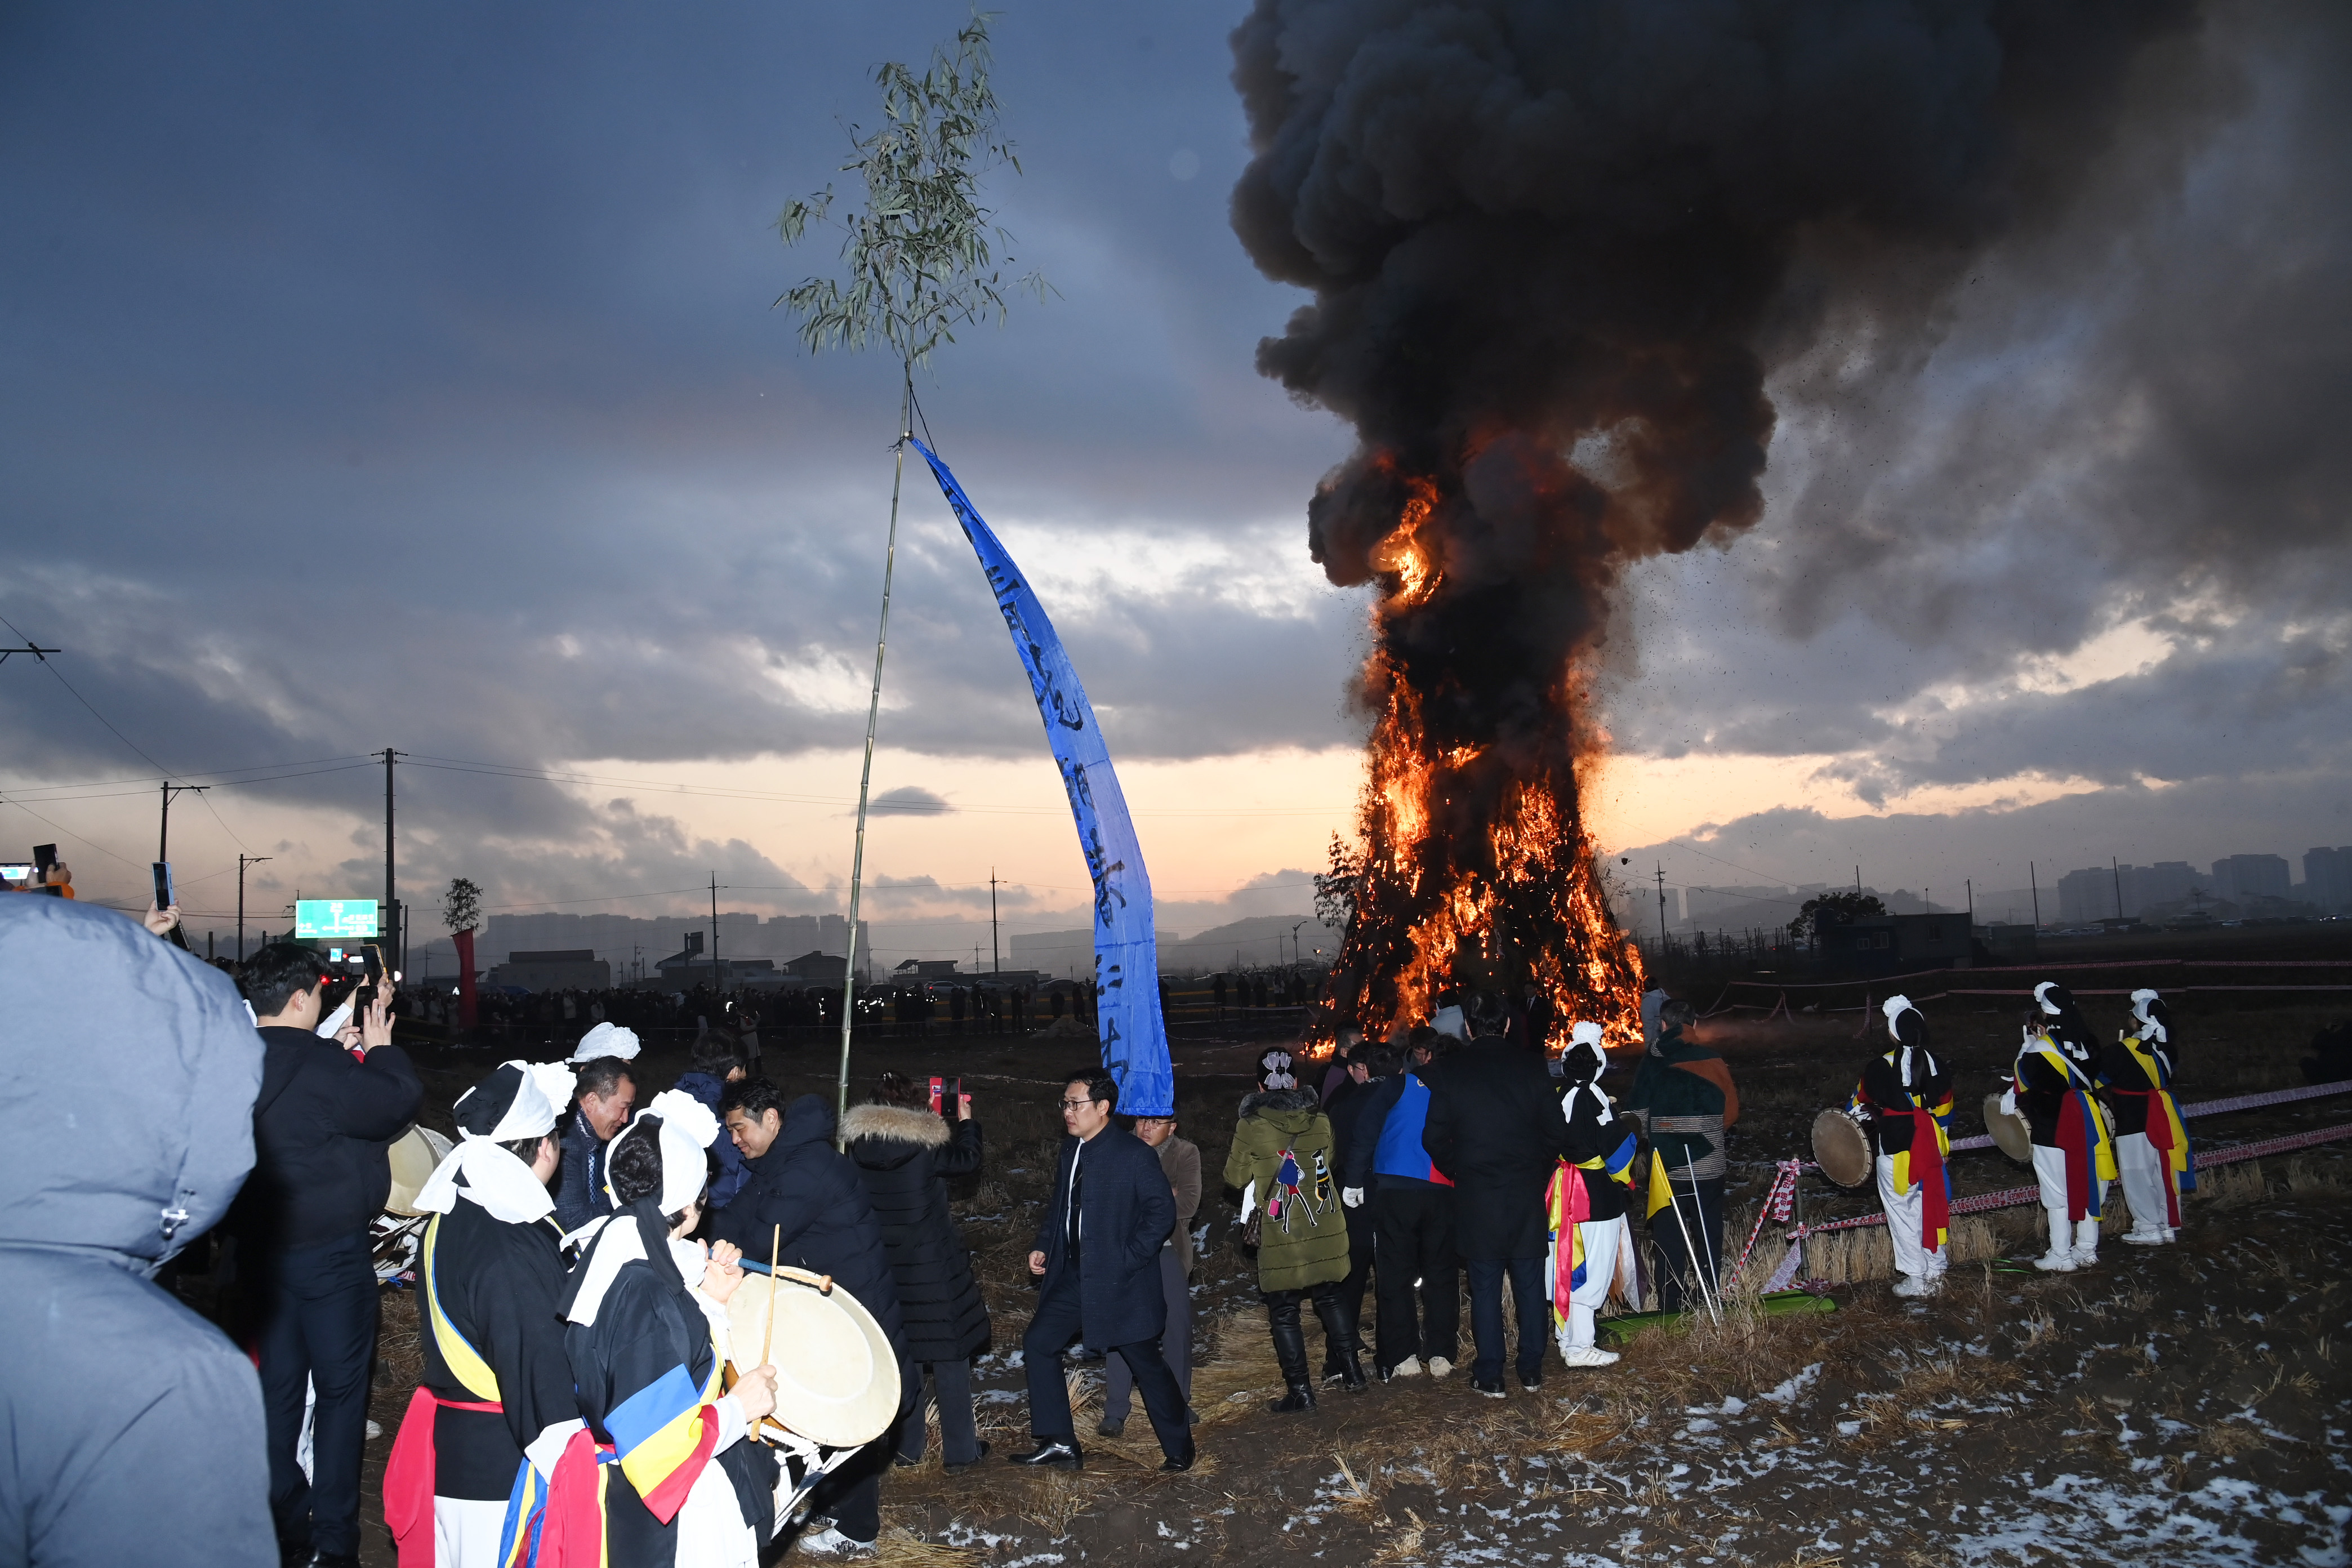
(84, 701)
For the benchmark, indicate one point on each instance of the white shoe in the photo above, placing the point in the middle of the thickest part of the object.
(1912, 1285)
(1440, 1367)
(1587, 1355)
(2057, 1260)
(831, 1542)
(1409, 1367)
(2145, 1238)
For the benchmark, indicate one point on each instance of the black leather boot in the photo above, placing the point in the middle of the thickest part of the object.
(1339, 1347)
(1290, 1351)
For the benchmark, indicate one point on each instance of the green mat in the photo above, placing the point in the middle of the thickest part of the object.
(1777, 1304)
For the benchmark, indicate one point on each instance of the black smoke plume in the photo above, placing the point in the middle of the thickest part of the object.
(1551, 246)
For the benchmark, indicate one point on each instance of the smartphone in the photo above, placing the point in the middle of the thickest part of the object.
(939, 1087)
(164, 897)
(44, 857)
(947, 1093)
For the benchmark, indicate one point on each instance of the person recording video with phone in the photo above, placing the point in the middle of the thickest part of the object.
(321, 1125)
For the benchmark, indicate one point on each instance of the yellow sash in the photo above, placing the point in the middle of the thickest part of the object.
(465, 1363)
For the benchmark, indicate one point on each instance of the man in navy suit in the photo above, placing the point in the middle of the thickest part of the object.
(1099, 1250)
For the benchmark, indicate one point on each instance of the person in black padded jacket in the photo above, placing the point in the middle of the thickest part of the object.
(323, 1122)
(906, 1154)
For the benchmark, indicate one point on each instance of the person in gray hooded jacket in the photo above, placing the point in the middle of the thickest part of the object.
(118, 1406)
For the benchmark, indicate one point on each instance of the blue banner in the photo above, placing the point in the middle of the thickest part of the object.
(1127, 954)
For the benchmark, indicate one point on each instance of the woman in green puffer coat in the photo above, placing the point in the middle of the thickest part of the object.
(1284, 1165)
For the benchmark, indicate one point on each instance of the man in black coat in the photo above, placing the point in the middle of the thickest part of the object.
(121, 1410)
(321, 1126)
(1495, 1126)
(806, 1200)
(1098, 1252)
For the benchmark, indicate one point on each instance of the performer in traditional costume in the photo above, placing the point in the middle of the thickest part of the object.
(1904, 1100)
(468, 1478)
(674, 1480)
(2073, 1149)
(2152, 1153)
(1586, 1201)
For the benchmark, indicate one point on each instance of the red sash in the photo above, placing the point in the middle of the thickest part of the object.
(408, 1476)
(2080, 1143)
(1568, 1252)
(1928, 1173)
(2159, 1138)
(571, 1532)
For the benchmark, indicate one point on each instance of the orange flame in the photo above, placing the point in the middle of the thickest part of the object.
(1475, 869)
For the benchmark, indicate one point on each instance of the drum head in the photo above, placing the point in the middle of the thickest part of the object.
(1841, 1149)
(2011, 1135)
(837, 1379)
(413, 1155)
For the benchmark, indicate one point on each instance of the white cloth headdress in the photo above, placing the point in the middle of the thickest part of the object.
(607, 1039)
(1585, 1035)
(1449, 1022)
(688, 1129)
(535, 1093)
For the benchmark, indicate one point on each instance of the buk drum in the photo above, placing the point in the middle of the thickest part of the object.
(2009, 1133)
(836, 1377)
(415, 1155)
(1841, 1148)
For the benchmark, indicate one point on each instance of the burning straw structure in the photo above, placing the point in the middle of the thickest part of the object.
(1551, 248)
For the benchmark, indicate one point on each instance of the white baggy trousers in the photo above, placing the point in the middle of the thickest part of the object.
(1903, 1218)
(1602, 1240)
(2140, 1165)
(2050, 1169)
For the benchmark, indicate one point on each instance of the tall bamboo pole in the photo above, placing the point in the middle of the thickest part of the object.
(865, 772)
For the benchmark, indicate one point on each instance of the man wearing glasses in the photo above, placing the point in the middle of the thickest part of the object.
(1098, 1252)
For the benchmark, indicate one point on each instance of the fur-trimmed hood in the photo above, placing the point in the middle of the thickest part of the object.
(898, 1123)
(1278, 1099)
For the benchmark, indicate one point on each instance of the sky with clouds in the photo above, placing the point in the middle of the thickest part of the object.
(411, 378)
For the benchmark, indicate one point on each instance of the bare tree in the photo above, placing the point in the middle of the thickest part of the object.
(921, 262)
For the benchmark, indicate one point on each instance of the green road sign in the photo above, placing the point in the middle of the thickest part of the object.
(334, 919)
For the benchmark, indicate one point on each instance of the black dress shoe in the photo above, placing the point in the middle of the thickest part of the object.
(1110, 1427)
(979, 1453)
(1174, 1463)
(1057, 1453)
(335, 1560)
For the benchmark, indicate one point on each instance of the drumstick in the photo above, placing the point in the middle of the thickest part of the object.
(775, 1246)
(775, 1251)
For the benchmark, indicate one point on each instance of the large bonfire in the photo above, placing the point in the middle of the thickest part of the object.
(1474, 867)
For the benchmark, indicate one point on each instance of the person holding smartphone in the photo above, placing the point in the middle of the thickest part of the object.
(322, 1123)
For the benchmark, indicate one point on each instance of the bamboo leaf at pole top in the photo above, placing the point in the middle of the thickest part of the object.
(920, 261)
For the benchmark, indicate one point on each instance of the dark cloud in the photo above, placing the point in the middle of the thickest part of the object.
(910, 799)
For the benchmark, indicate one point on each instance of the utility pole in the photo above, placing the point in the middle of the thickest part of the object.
(1857, 880)
(1662, 911)
(2036, 884)
(1970, 883)
(2115, 869)
(32, 647)
(164, 834)
(390, 897)
(242, 862)
(714, 930)
(995, 954)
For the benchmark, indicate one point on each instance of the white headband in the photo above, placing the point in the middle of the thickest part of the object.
(1585, 1033)
(688, 1129)
(495, 1177)
(607, 1040)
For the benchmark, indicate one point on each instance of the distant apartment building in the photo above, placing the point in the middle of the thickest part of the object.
(2244, 877)
(2328, 878)
(2107, 892)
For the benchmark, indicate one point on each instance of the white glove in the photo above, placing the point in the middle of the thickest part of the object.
(1352, 1196)
(2009, 1100)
